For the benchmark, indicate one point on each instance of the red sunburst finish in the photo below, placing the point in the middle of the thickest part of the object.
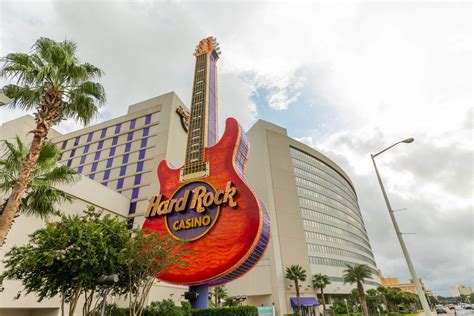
(239, 237)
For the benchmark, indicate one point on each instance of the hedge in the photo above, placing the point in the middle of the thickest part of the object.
(228, 311)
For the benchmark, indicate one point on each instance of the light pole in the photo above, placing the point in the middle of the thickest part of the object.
(106, 280)
(419, 290)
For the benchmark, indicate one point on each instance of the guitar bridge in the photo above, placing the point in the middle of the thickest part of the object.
(194, 171)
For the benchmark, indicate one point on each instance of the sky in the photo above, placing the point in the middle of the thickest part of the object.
(347, 78)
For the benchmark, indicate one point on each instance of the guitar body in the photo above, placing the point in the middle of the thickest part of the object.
(237, 237)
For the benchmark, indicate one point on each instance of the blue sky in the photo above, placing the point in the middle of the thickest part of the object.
(346, 78)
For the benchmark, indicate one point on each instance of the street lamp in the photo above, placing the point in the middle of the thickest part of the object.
(419, 290)
(106, 280)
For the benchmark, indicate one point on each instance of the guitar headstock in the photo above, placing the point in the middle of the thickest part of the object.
(207, 45)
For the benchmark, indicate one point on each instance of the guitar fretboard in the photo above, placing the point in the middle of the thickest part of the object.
(194, 161)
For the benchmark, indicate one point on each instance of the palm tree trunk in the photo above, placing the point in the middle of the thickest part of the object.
(27, 168)
(298, 301)
(49, 113)
(363, 302)
(323, 299)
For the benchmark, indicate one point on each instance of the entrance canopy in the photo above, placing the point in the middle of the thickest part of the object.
(304, 301)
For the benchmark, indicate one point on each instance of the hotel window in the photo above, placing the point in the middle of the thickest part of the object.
(97, 155)
(114, 141)
(135, 193)
(148, 119)
(132, 123)
(125, 159)
(104, 183)
(112, 152)
(109, 162)
(117, 128)
(120, 183)
(140, 166)
(127, 147)
(64, 144)
(146, 131)
(73, 152)
(141, 154)
(106, 175)
(94, 167)
(83, 159)
(89, 137)
(91, 176)
(86, 149)
(103, 133)
(101, 143)
(137, 180)
(79, 170)
(129, 136)
(69, 162)
(133, 208)
(130, 223)
(76, 141)
(123, 170)
(144, 142)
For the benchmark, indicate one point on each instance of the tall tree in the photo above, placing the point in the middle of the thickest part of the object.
(52, 81)
(358, 274)
(296, 274)
(147, 255)
(219, 293)
(40, 196)
(319, 283)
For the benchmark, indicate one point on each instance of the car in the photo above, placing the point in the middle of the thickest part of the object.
(441, 310)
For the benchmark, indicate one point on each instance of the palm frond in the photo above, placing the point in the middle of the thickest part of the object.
(81, 108)
(24, 97)
(41, 197)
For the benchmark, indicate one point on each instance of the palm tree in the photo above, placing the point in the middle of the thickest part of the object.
(319, 283)
(296, 273)
(357, 274)
(40, 196)
(219, 293)
(52, 81)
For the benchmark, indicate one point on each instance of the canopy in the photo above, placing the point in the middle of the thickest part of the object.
(304, 301)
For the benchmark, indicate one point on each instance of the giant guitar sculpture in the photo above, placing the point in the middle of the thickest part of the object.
(207, 202)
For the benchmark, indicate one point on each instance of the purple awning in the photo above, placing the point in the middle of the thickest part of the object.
(304, 301)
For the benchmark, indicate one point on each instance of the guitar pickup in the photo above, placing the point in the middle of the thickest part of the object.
(201, 172)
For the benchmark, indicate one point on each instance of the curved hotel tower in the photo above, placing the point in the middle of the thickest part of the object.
(316, 220)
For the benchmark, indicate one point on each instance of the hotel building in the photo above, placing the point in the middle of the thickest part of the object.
(316, 220)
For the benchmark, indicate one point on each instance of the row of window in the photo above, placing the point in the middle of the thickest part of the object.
(325, 167)
(339, 252)
(334, 230)
(332, 239)
(322, 206)
(327, 190)
(334, 263)
(329, 184)
(103, 132)
(340, 279)
(325, 198)
(112, 150)
(324, 216)
(324, 174)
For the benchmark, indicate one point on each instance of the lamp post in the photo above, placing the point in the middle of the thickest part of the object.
(419, 290)
(106, 280)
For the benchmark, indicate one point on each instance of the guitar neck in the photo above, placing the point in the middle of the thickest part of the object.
(203, 117)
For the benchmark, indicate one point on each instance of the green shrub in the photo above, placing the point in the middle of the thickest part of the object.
(229, 311)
